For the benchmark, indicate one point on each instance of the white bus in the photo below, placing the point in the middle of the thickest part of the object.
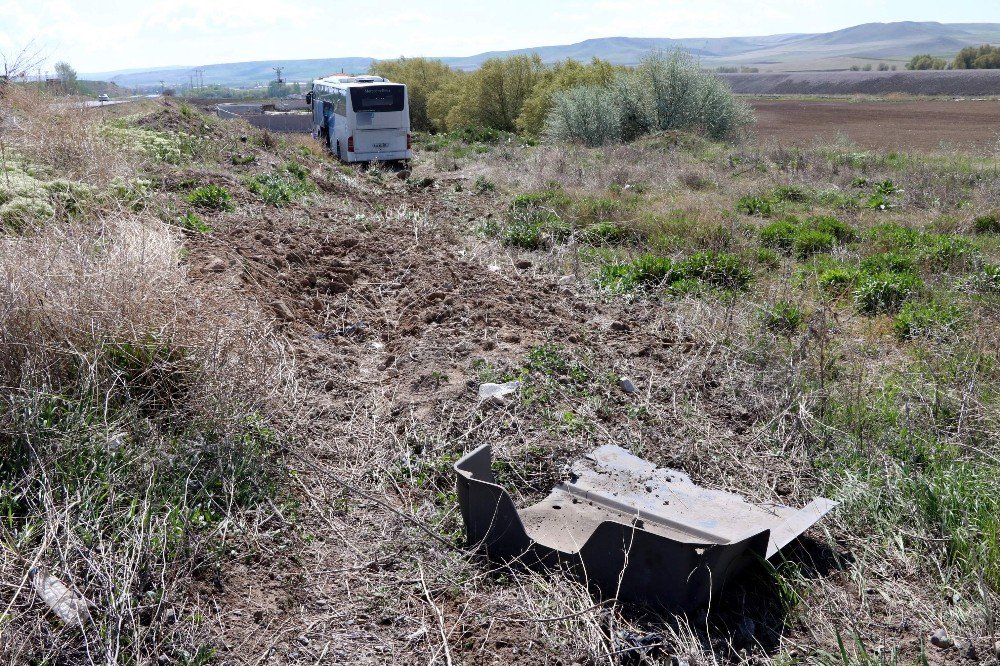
(362, 118)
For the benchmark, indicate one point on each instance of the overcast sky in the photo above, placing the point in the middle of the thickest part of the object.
(102, 35)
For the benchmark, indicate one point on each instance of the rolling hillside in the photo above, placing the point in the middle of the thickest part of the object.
(892, 43)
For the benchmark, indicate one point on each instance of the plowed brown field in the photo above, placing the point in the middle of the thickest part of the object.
(904, 126)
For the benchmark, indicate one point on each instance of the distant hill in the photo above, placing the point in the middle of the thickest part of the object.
(892, 43)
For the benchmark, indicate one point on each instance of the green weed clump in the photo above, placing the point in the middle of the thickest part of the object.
(926, 320)
(211, 197)
(783, 318)
(804, 239)
(884, 291)
(791, 193)
(704, 269)
(283, 186)
(987, 224)
(986, 279)
(193, 222)
(751, 205)
(534, 220)
(809, 242)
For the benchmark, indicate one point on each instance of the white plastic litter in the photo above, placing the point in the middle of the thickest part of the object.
(497, 393)
(71, 608)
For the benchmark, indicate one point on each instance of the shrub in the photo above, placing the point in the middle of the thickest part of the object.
(837, 282)
(780, 235)
(211, 197)
(809, 242)
(987, 224)
(884, 291)
(827, 224)
(663, 93)
(587, 114)
(750, 205)
(926, 320)
(783, 317)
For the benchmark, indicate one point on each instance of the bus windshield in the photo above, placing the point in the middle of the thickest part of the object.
(377, 98)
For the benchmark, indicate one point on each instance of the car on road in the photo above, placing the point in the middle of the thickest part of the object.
(103, 97)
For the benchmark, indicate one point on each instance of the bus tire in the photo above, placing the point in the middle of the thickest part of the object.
(338, 150)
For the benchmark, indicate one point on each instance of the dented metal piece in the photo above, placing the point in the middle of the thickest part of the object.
(628, 528)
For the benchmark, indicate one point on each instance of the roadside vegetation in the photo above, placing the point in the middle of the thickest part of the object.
(235, 374)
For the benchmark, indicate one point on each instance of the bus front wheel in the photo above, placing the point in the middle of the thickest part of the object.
(338, 150)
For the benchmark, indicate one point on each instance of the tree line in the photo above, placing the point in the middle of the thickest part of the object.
(594, 102)
(972, 57)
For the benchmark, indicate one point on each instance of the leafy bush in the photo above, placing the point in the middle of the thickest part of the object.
(783, 317)
(713, 269)
(211, 197)
(809, 242)
(884, 291)
(926, 320)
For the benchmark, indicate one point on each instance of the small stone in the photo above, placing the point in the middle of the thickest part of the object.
(303, 639)
(522, 264)
(941, 639)
(216, 265)
(282, 310)
(567, 279)
(170, 616)
(619, 326)
(627, 385)
(996, 649)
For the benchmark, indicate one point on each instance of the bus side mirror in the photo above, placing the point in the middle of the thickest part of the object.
(309, 98)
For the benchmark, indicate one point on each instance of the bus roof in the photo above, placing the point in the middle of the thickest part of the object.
(346, 79)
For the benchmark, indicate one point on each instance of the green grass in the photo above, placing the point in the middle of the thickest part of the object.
(703, 269)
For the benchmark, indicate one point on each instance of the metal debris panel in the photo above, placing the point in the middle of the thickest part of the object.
(630, 529)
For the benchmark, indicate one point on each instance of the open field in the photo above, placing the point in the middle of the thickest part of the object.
(970, 83)
(917, 125)
(236, 374)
